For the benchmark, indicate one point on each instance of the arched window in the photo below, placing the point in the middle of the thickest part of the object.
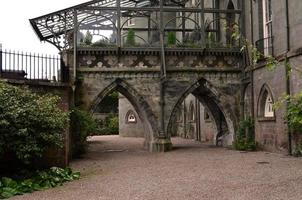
(131, 117)
(191, 112)
(268, 108)
(265, 104)
(230, 20)
(206, 116)
(267, 25)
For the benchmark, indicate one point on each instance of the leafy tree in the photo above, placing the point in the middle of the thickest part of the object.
(88, 38)
(29, 123)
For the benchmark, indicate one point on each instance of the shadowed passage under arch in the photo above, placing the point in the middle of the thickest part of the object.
(222, 116)
(141, 107)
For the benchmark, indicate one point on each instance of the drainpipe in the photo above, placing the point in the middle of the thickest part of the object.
(162, 134)
(0, 60)
(75, 45)
(252, 21)
(244, 62)
(287, 73)
(252, 70)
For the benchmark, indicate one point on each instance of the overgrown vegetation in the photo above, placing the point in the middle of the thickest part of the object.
(38, 180)
(110, 126)
(130, 39)
(245, 140)
(29, 123)
(293, 116)
(109, 104)
(171, 40)
(294, 112)
(82, 126)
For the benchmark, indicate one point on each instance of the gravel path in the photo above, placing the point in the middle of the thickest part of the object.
(118, 169)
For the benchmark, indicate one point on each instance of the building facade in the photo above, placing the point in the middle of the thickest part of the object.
(273, 27)
(186, 66)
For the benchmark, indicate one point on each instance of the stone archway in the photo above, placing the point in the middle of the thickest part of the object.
(222, 113)
(140, 105)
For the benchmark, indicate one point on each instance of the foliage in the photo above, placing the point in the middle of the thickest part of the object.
(245, 138)
(102, 43)
(29, 123)
(82, 126)
(243, 145)
(130, 39)
(40, 180)
(294, 112)
(109, 104)
(88, 38)
(298, 150)
(110, 126)
(171, 39)
(189, 45)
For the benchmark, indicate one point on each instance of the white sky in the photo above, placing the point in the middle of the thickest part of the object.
(15, 30)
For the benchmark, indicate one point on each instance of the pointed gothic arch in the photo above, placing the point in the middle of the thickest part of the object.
(191, 113)
(224, 119)
(130, 117)
(265, 104)
(141, 107)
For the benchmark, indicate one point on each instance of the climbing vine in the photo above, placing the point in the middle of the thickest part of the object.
(293, 114)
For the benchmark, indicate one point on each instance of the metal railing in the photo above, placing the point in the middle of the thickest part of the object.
(265, 46)
(30, 66)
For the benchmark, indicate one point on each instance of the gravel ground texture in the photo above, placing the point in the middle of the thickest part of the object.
(118, 168)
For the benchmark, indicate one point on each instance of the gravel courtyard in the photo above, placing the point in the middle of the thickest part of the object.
(119, 169)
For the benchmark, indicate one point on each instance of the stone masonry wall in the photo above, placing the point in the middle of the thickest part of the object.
(126, 128)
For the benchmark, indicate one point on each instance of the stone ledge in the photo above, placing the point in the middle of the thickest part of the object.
(35, 82)
(187, 69)
(266, 119)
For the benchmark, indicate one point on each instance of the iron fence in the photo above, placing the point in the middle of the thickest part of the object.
(30, 66)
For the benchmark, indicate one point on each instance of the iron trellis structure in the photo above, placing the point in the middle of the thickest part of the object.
(106, 26)
(197, 23)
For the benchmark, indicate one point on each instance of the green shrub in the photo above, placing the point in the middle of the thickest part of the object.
(113, 125)
(130, 40)
(245, 140)
(243, 145)
(298, 150)
(82, 126)
(110, 125)
(294, 113)
(171, 38)
(38, 181)
(102, 43)
(29, 123)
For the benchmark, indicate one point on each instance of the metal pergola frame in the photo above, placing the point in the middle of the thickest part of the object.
(61, 28)
(57, 27)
